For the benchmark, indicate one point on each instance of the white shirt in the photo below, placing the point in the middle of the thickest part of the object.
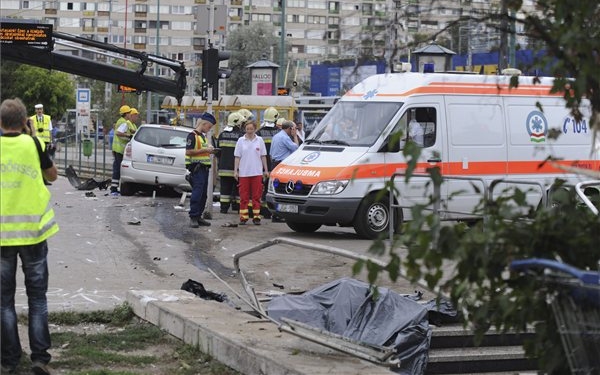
(250, 151)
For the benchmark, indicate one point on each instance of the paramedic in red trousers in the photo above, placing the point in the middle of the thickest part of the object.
(27, 221)
(282, 145)
(267, 130)
(228, 194)
(249, 170)
(197, 160)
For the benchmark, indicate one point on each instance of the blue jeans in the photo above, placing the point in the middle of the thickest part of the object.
(35, 267)
(198, 198)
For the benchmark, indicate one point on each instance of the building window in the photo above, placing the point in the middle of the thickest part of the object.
(317, 50)
(259, 17)
(11, 4)
(103, 7)
(69, 6)
(351, 21)
(139, 39)
(333, 20)
(68, 22)
(295, 4)
(316, 4)
(50, 21)
(181, 25)
(316, 20)
(181, 41)
(295, 18)
(164, 25)
(181, 9)
(314, 34)
(140, 8)
(88, 6)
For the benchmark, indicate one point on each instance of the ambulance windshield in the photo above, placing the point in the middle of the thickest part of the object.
(354, 123)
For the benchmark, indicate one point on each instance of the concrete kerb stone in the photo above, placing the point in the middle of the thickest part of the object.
(242, 342)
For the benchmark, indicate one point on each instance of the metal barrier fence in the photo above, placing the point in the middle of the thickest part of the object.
(91, 157)
(487, 194)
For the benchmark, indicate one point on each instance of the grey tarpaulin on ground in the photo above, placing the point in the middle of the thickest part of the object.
(346, 307)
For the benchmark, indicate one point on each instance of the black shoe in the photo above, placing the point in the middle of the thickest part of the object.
(47, 183)
(256, 221)
(40, 368)
(223, 211)
(194, 223)
(203, 222)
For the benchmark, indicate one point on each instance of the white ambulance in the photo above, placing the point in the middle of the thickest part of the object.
(467, 125)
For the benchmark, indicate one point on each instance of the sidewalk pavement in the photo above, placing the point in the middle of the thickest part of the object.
(239, 340)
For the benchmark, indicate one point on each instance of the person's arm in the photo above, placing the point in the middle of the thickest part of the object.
(291, 145)
(263, 158)
(49, 170)
(236, 167)
(50, 174)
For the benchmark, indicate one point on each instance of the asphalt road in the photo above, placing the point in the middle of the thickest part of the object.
(107, 246)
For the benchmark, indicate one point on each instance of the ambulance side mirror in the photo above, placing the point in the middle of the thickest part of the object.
(392, 143)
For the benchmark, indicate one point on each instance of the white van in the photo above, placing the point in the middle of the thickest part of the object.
(467, 125)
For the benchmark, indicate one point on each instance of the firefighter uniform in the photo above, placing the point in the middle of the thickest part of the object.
(228, 194)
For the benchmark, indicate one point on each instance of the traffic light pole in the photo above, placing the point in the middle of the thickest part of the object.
(209, 98)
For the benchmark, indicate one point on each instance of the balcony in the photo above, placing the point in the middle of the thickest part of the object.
(333, 41)
(140, 14)
(237, 2)
(139, 45)
(235, 18)
(88, 29)
(89, 13)
(50, 11)
(103, 13)
(199, 1)
(102, 29)
(141, 30)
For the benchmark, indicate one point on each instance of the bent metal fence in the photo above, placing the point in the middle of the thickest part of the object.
(90, 157)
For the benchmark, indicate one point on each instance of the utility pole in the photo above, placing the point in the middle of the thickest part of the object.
(503, 37)
(282, 45)
(209, 99)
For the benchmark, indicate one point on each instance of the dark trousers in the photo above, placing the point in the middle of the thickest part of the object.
(199, 182)
(35, 267)
(228, 193)
(116, 171)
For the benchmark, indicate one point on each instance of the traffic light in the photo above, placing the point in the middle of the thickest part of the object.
(211, 72)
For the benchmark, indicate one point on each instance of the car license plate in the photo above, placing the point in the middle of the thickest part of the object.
(155, 159)
(292, 208)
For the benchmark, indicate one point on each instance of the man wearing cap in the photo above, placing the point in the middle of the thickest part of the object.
(123, 131)
(43, 127)
(198, 162)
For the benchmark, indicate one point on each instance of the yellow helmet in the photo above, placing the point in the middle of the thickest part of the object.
(235, 119)
(248, 115)
(271, 114)
(124, 109)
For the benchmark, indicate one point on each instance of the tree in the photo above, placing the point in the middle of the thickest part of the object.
(55, 90)
(480, 285)
(248, 44)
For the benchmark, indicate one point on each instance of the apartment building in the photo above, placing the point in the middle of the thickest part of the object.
(314, 30)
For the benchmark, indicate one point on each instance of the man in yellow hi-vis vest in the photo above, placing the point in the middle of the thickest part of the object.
(43, 128)
(26, 222)
(123, 133)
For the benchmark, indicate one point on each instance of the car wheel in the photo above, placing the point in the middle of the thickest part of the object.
(127, 188)
(302, 227)
(372, 218)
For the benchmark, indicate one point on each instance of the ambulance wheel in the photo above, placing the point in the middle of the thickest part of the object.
(372, 219)
(302, 227)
